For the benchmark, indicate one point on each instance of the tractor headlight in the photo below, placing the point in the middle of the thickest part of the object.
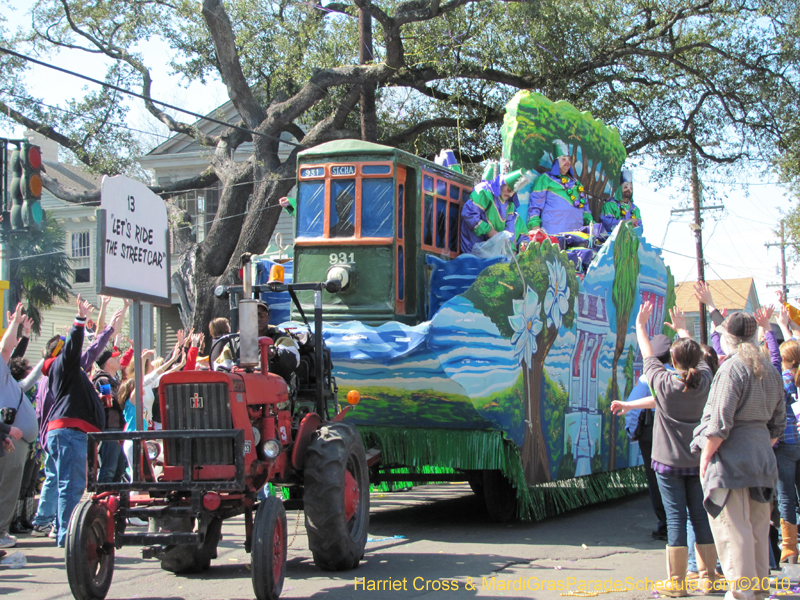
(153, 450)
(272, 448)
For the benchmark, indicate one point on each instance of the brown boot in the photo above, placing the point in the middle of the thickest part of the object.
(675, 585)
(789, 542)
(706, 555)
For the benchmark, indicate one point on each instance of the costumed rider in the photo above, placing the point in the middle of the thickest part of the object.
(621, 206)
(284, 354)
(558, 206)
(491, 209)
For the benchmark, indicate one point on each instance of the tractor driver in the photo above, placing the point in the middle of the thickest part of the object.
(284, 354)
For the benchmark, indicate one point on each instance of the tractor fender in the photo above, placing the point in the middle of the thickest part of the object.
(308, 426)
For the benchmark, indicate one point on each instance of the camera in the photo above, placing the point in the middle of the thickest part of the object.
(8, 415)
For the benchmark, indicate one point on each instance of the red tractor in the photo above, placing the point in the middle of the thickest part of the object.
(226, 434)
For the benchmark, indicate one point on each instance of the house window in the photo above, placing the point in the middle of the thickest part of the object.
(697, 329)
(81, 255)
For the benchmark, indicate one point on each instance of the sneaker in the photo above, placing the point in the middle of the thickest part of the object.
(18, 527)
(8, 541)
(42, 530)
(53, 532)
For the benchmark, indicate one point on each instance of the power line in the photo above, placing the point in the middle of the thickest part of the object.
(137, 95)
(80, 116)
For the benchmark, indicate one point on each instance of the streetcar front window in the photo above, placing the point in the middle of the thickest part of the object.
(377, 207)
(343, 208)
(310, 206)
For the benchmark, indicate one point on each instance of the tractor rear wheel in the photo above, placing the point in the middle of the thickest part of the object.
(336, 497)
(268, 555)
(500, 496)
(89, 555)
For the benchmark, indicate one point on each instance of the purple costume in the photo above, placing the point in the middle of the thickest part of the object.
(484, 211)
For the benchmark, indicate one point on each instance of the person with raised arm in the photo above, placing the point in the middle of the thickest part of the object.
(679, 397)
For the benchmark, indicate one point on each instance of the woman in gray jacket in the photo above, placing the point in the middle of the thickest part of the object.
(743, 419)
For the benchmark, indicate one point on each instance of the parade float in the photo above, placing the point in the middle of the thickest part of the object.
(496, 370)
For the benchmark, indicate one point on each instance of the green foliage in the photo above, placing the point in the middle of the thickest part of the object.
(531, 124)
(40, 270)
(628, 372)
(669, 303)
(566, 467)
(497, 286)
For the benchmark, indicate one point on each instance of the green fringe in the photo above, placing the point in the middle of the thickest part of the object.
(441, 450)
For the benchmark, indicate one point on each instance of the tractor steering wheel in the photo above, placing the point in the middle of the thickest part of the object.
(230, 339)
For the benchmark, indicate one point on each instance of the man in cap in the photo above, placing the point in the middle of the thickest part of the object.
(284, 356)
(558, 203)
(492, 208)
(621, 206)
(113, 463)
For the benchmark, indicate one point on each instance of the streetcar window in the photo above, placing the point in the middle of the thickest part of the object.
(400, 194)
(428, 221)
(342, 213)
(441, 221)
(401, 274)
(310, 203)
(441, 187)
(427, 183)
(454, 229)
(376, 169)
(377, 207)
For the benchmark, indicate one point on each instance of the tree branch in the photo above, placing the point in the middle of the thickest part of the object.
(221, 30)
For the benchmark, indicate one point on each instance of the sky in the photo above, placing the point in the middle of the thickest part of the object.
(734, 238)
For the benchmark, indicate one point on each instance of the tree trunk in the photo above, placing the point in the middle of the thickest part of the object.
(535, 463)
(612, 449)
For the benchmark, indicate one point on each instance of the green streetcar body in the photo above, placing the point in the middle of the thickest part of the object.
(377, 212)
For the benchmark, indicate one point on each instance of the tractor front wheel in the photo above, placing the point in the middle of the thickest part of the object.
(336, 497)
(89, 555)
(268, 555)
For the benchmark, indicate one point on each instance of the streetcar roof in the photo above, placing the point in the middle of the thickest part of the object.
(358, 147)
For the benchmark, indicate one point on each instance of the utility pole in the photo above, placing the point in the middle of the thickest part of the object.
(783, 285)
(698, 239)
(369, 125)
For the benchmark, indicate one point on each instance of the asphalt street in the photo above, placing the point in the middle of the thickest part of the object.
(432, 541)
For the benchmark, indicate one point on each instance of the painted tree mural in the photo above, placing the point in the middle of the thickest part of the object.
(626, 274)
(538, 291)
(531, 124)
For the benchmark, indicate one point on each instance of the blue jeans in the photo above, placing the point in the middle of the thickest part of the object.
(48, 498)
(788, 457)
(679, 493)
(113, 463)
(68, 449)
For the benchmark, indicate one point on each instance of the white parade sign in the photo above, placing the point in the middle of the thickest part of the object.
(133, 250)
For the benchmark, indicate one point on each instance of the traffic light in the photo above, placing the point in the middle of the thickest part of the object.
(30, 160)
(16, 191)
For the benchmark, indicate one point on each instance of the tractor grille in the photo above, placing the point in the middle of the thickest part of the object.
(198, 406)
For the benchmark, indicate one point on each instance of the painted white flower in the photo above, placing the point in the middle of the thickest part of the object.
(526, 325)
(556, 300)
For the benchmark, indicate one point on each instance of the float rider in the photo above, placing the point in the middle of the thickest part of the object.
(558, 203)
(492, 208)
(621, 207)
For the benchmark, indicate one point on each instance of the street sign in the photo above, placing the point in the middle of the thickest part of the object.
(133, 245)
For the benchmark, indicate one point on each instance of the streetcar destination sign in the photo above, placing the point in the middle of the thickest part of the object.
(343, 170)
